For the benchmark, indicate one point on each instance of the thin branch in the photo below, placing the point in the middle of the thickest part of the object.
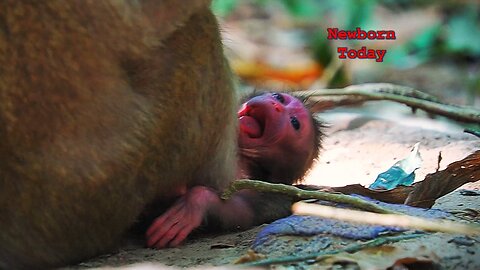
(403, 221)
(473, 132)
(401, 94)
(350, 249)
(301, 194)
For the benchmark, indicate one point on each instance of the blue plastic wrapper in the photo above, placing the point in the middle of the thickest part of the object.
(401, 173)
(392, 178)
(310, 225)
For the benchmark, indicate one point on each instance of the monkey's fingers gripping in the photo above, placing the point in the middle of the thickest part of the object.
(173, 227)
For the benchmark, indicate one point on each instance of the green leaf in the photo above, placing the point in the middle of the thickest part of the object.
(463, 34)
(354, 13)
(304, 8)
(399, 57)
(416, 51)
(427, 38)
(223, 7)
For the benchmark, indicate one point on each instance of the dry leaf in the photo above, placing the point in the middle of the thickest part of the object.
(251, 256)
(443, 182)
(296, 76)
(382, 257)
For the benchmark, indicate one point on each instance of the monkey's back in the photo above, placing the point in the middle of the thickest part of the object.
(103, 107)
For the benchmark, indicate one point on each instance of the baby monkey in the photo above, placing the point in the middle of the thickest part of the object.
(278, 140)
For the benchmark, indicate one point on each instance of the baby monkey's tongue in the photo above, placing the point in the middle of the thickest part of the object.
(250, 126)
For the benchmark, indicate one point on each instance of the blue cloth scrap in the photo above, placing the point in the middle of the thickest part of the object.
(310, 225)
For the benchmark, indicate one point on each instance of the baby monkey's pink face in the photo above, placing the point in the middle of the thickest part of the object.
(278, 122)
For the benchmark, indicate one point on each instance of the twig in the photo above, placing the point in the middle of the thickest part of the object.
(439, 159)
(401, 94)
(301, 194)
(473, 132)
(403, 221)
(350, 249)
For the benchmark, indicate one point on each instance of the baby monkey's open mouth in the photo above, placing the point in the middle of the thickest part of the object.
(252, 121)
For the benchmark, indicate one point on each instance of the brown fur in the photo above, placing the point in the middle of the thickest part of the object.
(104, 106)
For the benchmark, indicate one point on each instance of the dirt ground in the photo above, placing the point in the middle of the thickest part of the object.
(359, 146)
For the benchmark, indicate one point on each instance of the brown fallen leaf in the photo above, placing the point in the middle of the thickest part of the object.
(294, 76)
(251, 256)
(438, 184)
(423, 193)
(382, 257)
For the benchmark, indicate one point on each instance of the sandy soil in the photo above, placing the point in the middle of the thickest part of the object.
(363, 142)
(358, 147)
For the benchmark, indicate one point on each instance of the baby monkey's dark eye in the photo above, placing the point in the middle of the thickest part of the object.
(295, 122)
(279, 97)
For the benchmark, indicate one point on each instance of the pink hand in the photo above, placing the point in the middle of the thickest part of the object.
(171, 228)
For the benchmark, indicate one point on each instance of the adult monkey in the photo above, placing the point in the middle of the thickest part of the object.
(105, 106)
(278, 141)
